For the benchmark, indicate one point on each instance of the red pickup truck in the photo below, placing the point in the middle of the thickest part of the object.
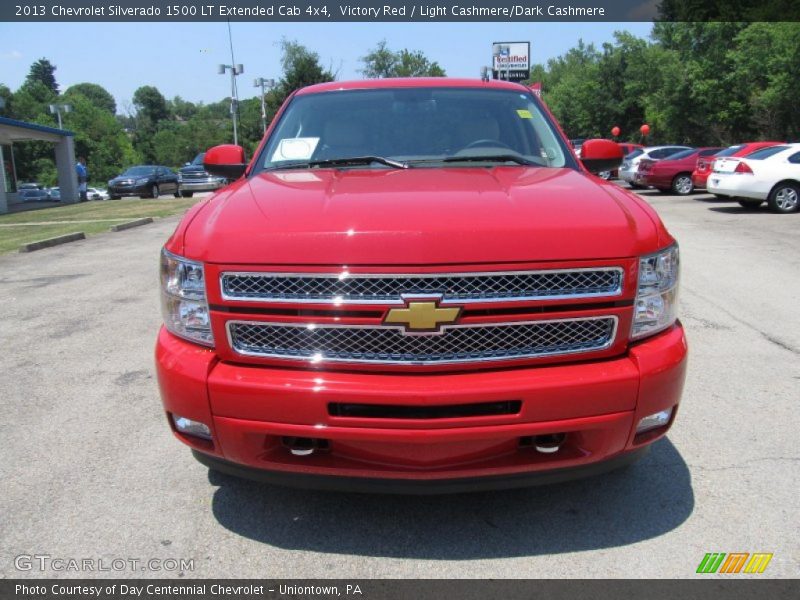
(415, 286)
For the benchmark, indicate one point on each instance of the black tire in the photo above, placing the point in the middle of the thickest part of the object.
(682, 184)
(750, 204)
(636, 186)
(187, 194)
(177, 194)
(112, 197)
(784, 198)
(154, 191)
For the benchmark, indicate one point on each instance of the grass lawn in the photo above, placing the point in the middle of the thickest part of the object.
(99, 214)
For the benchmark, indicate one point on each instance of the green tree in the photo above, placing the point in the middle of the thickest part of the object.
(382, 62)
(96, 94)
(43, 71)
(151, 110)
(301, 67)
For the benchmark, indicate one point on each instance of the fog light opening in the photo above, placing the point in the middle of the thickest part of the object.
(546, 444)
(300, 446)
(190, 427)
(654, 421)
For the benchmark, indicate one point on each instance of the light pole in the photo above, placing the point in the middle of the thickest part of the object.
(57, 109)
(235, 70)
(264, 84)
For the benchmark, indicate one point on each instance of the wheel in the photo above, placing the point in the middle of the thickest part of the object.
(682, 184)
(154, 191)
(750, 204)
(187, 194)
(112, 197)
(784, 198)
(604, 175)
(177, 194)
(636, 186)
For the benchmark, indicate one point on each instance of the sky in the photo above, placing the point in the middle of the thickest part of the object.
(181, 59)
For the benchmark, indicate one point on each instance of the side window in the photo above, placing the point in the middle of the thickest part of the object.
(795, 158)
(659, 153)
(709, 151)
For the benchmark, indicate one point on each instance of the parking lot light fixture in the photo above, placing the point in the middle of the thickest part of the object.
(264, 84)
(235, 69)
(58, 109)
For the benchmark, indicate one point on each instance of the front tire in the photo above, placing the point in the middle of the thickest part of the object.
(682, 185)
(784, 198)
(154, 192)
(187, 194)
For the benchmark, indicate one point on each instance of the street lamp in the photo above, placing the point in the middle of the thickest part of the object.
(235, 70)
(57, 109)
(264, 84)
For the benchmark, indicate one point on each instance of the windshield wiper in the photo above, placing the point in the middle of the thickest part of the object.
(335, 162)
(520, 160)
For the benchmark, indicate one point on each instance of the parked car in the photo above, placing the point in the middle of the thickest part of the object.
(417, 286)
(627, 148)
(54, 194)
(31, 185)
(145, 181)
(771, 174)
(674, 173)
(32, 195)
(705, 164)
(96, 194)
(193, 178)
(630, 164)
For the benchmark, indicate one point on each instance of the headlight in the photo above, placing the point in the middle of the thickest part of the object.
(180, 177)
(656, 303)
(141, 181)
(183, 299)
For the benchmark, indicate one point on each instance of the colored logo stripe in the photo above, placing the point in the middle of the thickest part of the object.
(734, 563)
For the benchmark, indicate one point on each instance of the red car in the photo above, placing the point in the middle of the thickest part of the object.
(673, 174)
(706, 165)
(415, 286)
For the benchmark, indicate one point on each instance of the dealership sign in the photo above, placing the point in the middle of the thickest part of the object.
(511, 60)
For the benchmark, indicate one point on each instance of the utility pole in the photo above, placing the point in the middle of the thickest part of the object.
(57, 109)
(235, 70)
(264, 84)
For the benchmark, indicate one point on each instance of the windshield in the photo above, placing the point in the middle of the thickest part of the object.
(729, 151)
(681, 154)
(198, 160)
(139, 171)
(418, 127)
(765, 152)
(634, 154)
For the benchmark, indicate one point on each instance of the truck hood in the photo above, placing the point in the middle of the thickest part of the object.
(420, 216)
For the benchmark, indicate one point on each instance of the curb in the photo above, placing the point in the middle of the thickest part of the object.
(131, 224)
(50, 242)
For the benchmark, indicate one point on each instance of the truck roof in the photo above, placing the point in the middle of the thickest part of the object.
(409, 82)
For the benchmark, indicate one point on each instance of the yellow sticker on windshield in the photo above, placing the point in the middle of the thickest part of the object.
(524, 114)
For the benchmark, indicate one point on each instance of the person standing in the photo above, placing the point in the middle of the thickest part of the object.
(83, 178)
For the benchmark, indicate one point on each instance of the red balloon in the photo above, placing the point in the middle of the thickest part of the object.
(645, 129)
(615, 131)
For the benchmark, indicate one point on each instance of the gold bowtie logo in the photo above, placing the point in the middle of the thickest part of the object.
(422, 316)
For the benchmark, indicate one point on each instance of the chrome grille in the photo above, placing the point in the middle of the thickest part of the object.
(389, 289)
(391, 345)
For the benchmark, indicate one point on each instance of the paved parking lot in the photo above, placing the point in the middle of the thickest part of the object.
(90, 469)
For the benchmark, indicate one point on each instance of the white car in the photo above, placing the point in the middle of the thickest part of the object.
(630, 164)
(96, 194)
(771, 174)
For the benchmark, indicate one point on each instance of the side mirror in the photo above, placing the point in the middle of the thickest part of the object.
(226, 161)
(601, 155)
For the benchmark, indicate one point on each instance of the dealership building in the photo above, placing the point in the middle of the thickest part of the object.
(13, 131)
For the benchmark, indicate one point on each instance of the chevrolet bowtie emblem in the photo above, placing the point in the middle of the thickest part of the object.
(422, 316)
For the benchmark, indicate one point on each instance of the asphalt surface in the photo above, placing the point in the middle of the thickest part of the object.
(90, 469)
